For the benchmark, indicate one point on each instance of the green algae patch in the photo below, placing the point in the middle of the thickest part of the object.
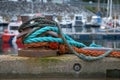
(49, 59)
(45, 60)
(56, 59)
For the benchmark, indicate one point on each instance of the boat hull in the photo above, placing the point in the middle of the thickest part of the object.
(7, 38)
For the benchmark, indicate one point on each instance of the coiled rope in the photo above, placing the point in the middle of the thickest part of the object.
(40, 25)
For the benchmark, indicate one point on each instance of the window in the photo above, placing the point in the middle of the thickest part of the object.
(78, 18)
(14, 27)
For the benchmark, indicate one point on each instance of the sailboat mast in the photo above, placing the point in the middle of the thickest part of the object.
(110, 9)
(98, 5)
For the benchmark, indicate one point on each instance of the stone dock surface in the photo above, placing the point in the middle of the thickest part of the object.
(69, 65)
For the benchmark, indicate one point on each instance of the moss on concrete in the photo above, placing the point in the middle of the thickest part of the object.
(44, 60)
(48, 59)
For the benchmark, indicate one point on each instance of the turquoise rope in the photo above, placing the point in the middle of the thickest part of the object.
(47, 28)
(51, 39)
(33, 37)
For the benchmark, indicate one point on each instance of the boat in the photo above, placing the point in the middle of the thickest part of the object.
(65, 23)
(111, 22)
(79, 22)
(94, 24)
(3, 25)
(10, 32)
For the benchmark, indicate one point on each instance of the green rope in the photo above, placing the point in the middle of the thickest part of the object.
(36, 22)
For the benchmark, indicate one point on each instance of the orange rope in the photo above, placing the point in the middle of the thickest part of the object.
(96, 52)
(53, 45)
(37, 44)
(62, 48)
